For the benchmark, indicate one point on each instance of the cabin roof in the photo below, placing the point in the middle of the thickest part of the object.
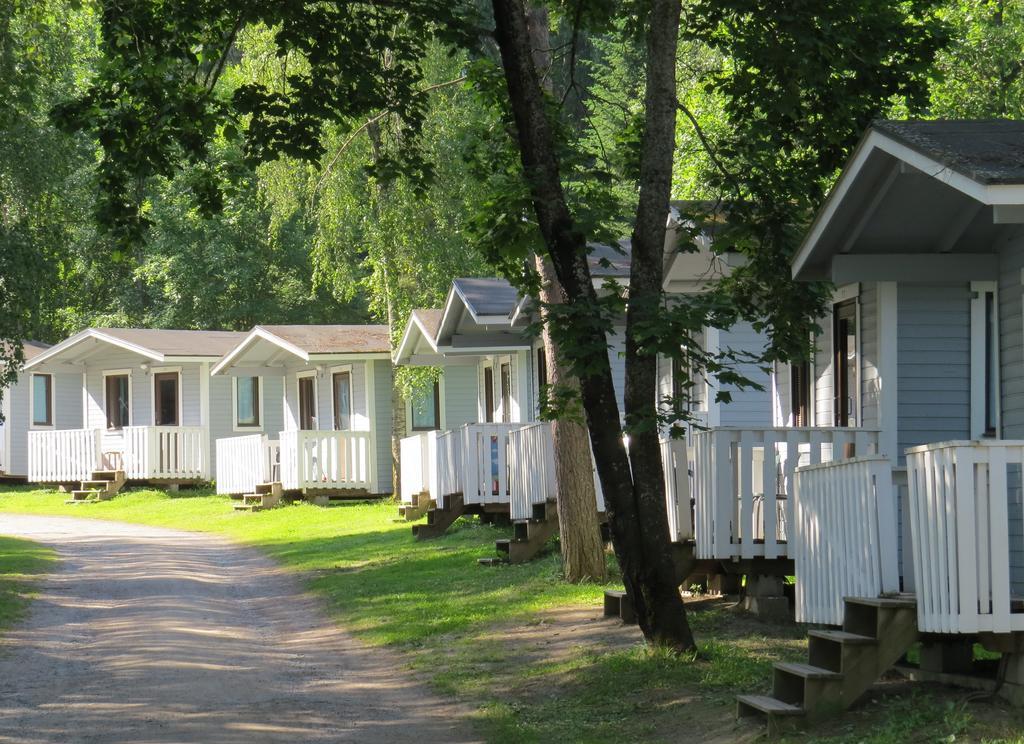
(270, 345)
(174, 342)
(334, 339)
(487, 296)
(989, 151)
(919, 201)
(152, 343)
(32, 349)
(423, 326)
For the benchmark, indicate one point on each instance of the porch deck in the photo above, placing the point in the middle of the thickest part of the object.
(306, 461)
(158, 453)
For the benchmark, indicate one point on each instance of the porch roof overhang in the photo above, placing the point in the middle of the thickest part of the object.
(76, 350)
(919, 201)
(264, 349)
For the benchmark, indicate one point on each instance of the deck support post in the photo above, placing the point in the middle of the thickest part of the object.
(766, 598)
(952, 655)
(724, 584)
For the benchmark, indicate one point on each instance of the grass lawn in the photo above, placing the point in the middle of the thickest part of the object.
(517, 644)
(21, 563)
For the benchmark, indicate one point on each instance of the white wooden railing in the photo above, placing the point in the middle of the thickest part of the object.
(959, 495)
(243, 462)
(418, 465)
(843, 537)
(531, 462)
(166, 452)
(675, 459)
(326, 459)
(742, 478)
(450, 445)
(485, 463)
(63, 455)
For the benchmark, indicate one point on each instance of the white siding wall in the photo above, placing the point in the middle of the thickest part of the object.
(461, 393)
(67, 414)
(750, 407)
(617, 360)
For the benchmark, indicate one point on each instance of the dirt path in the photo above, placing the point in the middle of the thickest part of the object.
(152, 635)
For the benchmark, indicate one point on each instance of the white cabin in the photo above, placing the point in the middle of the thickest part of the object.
(310, 408)
(144, 403)
(36, 402)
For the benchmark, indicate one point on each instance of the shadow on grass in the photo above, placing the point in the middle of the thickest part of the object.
(22, 562)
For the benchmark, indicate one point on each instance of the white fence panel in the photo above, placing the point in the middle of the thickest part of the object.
(531, 462)
(960, 530)
(743, 477)
(450, 446)
(165, 453)
(241, 463)
(485, 463)
(843, 540)
(675, 459)
(325, 459)
(419, 465)
(63, 455)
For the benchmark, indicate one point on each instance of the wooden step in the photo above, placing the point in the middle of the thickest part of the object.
(439, 520)
(888, 603)
(492, 561)
(105, 475)
(767, 705)
(95, 485)
(503, 546)
(841, 636)
(805, 671)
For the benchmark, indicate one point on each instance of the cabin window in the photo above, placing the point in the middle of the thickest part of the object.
(342, 385)
(117, 401)
(426, 408)
(506, 392)
(800, 393)
(844, 363)
(165, 398)
(984, 360)
(307, 403)
(247, 402)
(488, 394)
(991, 366)
(42, 400)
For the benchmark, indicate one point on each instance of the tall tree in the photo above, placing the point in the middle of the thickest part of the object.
(795, 82)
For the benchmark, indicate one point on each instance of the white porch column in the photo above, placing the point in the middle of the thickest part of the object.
(888, 372)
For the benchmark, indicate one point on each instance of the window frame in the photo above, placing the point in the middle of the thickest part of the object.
(488, 391)
(108, 373)
(505, 394)
(50, 402)
(299, 377)
(345, 369)
(841, 418)
(437, 411)
(164, 371)
(236, 425)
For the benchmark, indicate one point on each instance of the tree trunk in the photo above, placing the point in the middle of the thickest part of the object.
(578, 526)
(644, 556)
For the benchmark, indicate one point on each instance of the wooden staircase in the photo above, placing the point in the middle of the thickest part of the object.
(842, 664)
(101, 486)
(266, 496)
(421, 504)
(529, 536)
(439, 520)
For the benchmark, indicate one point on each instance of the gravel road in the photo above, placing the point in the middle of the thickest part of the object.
(153, 635)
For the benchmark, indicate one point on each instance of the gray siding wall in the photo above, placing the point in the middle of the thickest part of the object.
(382, 390)
(461, 392)
(749, 407)
(67, 414)
(934, 363)
(823, 374)
(1011, 342)
(617, 360)
(1011, 390)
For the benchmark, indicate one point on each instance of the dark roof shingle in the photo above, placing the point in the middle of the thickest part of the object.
(334, 339)
(989, 151)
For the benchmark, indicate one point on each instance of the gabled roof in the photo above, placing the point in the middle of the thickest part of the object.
(989, 151)
(487, 297)
(423, 324)
(154, 344)
(918, 187)
(306, 342)
(32, 349)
